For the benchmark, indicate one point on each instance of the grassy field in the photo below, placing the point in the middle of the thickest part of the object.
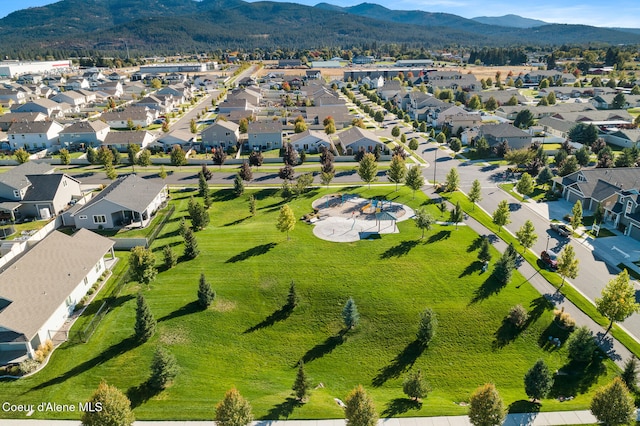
(246, 339)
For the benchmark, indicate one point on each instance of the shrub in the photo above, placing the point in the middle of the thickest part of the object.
(518, 315)
(563, 319)
(43, 351)
(28, 365)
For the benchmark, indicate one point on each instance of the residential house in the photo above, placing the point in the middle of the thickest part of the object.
(180, 137)
(70, 97)
(141, 117)
(456, 117)
(511, 112)
(12, 96)
(181, 94)
(264, 135)
(390, 89)
(48, 195)
(89, 133)
(175, 77)
(625, 138)
(235, 104)
(128, 201)
(161, 103)
(252, 96)
(534, 78)
(46, 106)
(89, 96)
(6, 120)
(625, 213)
(41, 289)
(498, 133)
(605, 101)
(35, 134)
(30, 79)
(122, 140)
(356, 139)
(109, 89)
(221, 134)
(14, 182)
(555, 127)
(311, 141)
(313, 74)
(77, 83)
(340, 114)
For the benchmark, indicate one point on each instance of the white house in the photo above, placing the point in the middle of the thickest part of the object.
(311, 141)
(40, 290)
(34, 134)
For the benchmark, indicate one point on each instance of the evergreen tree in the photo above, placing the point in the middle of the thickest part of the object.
(206, 295)
(427, 327)
(486, 407)
(613, 404)
(359, 410)
(164, 368)
(115, 408)
(504, 268)
(238, 185)
(538, 381)
(545, 176)
(145, 326)
(170, 258)
(191, 250)
(292, 296)
(581, 345)
(456, 215)
(484, 254)
(203, 186)
(576, 215)
(302, 384)
(92, 155)
(350, 314)
(629, 374)
(142, 265)
(233, 410)
(415, 386)
(198, 214)
(110, 171)
(245, 172)
(252, 205)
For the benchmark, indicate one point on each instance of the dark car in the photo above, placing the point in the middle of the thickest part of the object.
(561, 229)
(549, 259)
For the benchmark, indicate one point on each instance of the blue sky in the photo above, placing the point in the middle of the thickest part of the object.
(621, 13)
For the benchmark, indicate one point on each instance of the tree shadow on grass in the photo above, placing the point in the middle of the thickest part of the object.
(523, 411)
(140, 394)
(189, 308)
(265, 193)
(106, 355)
(507, 333)
(254, 251)
(236, 222)
(547, 338)
(399, 250)
(489, 287)
(574, 377)
(475, 244)
(282, 410)
(441, 235)
(400, 406)
(220, 196)
(473, 267)
(401, 363)
(538, 306)
(279, 315)
(324, 348)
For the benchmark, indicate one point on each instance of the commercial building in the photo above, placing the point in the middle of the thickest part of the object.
(14, 68)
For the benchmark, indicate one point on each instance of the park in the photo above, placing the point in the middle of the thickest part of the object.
(249, 339)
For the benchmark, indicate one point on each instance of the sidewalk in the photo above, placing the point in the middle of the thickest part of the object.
(614, 349)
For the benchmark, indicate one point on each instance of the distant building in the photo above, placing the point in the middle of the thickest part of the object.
(170, 68)
(325, 64)
(12, 69)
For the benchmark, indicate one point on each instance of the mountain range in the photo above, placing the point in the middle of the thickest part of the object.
(168, 26)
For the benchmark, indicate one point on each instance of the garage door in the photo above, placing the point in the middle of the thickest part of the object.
(634, 232)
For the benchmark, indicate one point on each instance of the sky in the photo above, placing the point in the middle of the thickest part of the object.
(621, 13)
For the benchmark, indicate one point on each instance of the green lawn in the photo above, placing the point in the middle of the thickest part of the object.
(538, 193)
(246, 339)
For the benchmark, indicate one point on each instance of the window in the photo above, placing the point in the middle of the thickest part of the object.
(86, 281)
(629, 206)
(16, 194)
(82, 217)
(98, 267)
(99, 218)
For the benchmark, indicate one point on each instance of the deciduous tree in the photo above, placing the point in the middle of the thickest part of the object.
(368, 168)
(397, 170)
(115, 408)
(613, 404)
(452, 181)
(233, 410)
(414, 179)
(576, 215)
(359, 410)
(618, 299)
(475, 194)
(424, 220)
(501, 215)
(568, 264)
(581, 345)
(486, 407)
(286, 220)
(525, 185)
(65, 157)
(142, 265)
(526, 235)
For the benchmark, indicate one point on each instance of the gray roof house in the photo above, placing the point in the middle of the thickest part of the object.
(119, 119)
(264, 135)
(88, 132)
(40, 290)
(128, 201)
(355, 139)
(497, 133)
(14, 182)
(35, 134)
(625, 212)
(626, 138)
(311, 140)
(221, 134)
(6, 120)
(49, 195)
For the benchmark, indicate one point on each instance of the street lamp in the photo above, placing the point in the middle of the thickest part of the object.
(435, 162)
(548, 238)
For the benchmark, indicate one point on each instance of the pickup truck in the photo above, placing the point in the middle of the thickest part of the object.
(561, 229)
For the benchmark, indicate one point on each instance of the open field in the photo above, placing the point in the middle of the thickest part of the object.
(248, 340)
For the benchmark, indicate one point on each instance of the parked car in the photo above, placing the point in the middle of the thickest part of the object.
(549, 258)
(561, 229)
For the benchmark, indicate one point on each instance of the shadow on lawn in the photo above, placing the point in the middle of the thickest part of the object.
(489, 287)
(442, 235)
(280, 315)
(400, 363)
(401, 249)
(236, 222)
(282, 410)
(189, 308)
(254, 251)
(106, 355)
(400, 406)
(140, 394)
(526, 411)
(553, 331)
(507, 333)
(575, 377)
(473, 267)
(326, 347)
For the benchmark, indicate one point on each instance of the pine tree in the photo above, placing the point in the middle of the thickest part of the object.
(629, 374)
(415, 386)
(238, 185)
(170, 258)
(292, 296)
(203, 186)
(191, 250)
(350, 314)
(504, 268)
(145, 326)
(456, 215)
(205, 294)
(302, 384)
(538, 381)
(484, 254)
(427, 327)
(164, 368)
(252, 205)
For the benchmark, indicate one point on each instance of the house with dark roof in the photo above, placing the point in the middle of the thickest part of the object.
(122, 140)
(34, 135)
(221, 134)
(91, 133)
(6, 120)
(625, 138)
(264, 135)
(556, 127)
(498, 133)
(625, 212)
(41, 289)
(142, 117)
(128, 201)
